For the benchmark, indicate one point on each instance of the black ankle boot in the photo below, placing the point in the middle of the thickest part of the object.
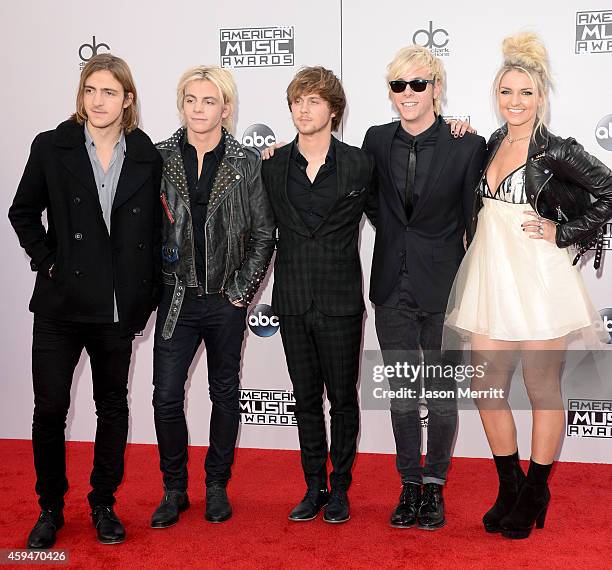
(531, 505)
(511, 479)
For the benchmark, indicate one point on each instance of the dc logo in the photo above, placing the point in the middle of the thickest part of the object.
(431, 38)
(262, 321)
(87, 51)
(606, 322)
(603, 132)
(258, 136)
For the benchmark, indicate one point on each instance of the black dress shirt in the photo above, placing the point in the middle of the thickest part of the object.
(200, 184)
(425, 144)
(312, 200)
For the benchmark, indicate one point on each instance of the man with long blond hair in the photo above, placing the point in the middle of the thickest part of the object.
(425, 180)
(217, 241)
(98, 268)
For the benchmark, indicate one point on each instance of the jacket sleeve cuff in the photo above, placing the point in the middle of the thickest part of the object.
(233, 293)
(43, 265)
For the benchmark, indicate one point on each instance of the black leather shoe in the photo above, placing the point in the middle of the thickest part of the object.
(218, 508)
(108, 526)
(167, 514)
(405, 514)
(308, 509)
(337, 510)
(431, 511)
(44, 532)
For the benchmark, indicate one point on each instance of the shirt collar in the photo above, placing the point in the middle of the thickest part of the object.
(218, 151)
(429, 132)
(89, 142)
(330, 158)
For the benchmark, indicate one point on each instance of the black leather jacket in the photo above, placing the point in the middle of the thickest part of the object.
(559, 177)
(239, 226)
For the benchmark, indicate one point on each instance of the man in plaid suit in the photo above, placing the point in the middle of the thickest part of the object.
(318, 190)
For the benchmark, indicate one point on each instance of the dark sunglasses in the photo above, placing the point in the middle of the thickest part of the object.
(417, 85)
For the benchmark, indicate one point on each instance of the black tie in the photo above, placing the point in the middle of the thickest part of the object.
(410, 175)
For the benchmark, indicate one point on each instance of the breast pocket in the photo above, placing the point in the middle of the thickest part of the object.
(356, 193)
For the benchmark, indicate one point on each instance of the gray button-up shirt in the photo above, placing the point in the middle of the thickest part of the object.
(106, 182)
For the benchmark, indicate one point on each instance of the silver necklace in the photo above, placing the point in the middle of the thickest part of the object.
(510, 141)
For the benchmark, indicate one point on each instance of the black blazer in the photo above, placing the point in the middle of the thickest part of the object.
(320, 267)
(432, 240)
(87, 262)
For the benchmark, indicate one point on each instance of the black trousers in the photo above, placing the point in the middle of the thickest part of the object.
(221, 325)
(323, 352)
(404, 329)
(56, 349)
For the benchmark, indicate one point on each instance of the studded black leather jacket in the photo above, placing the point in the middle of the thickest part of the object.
(239, 227)
(560, 178)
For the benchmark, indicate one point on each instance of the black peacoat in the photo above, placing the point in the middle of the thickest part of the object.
(88, 263)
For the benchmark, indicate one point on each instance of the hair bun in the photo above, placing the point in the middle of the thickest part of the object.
(525, 49)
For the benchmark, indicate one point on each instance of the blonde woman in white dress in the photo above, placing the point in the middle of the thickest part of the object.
(517, 294)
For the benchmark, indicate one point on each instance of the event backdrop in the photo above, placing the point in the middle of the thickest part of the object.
(45, 44)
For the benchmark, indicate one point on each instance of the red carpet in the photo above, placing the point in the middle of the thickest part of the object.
(265, 486)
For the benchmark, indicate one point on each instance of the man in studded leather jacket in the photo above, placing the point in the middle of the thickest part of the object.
(217, 241)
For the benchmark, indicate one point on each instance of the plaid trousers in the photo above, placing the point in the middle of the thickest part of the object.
(323, 352)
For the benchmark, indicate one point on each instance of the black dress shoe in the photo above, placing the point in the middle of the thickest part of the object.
(308, 509)
(44, 532)
(431, 511)
(405, 514)
(218, 508)
(337, 510)
(108, 526)
(167, 514)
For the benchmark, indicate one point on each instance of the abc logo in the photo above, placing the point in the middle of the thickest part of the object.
(431, 38)
(262, 321)
(258, 136)
(87, 51)
(603, 132)
(606, 321)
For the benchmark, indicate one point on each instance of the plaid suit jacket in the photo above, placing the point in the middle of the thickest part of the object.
(323, 266)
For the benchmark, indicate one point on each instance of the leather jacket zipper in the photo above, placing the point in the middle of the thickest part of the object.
(193, 264)
(535, 203)
(560, 215)
(229, 244)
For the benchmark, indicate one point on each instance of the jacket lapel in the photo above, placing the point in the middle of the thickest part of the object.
(133, 176)
(443, 151)
(77, 162)
(341, 173)
(342, 181)
(227, 176)
(392, 191)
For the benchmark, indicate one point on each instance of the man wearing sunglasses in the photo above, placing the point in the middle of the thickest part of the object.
(424, 180)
